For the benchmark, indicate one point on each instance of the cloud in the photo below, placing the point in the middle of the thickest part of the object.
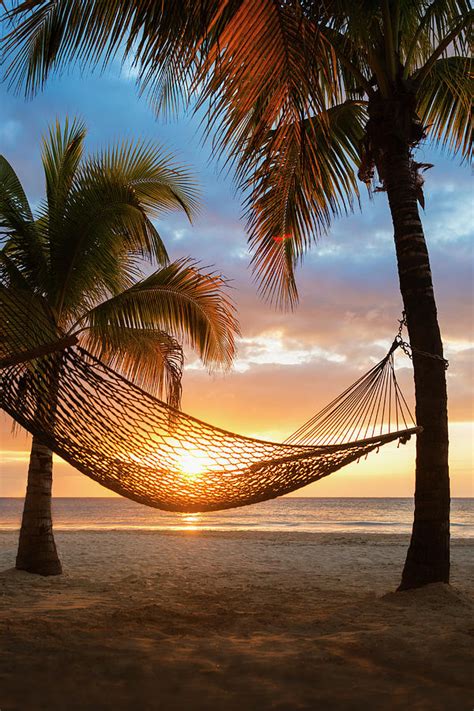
(273, 348)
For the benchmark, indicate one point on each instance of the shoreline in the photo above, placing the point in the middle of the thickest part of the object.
(290, 515)
(334, 537)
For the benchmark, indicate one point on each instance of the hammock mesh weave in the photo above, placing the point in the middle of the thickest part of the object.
(139, 447)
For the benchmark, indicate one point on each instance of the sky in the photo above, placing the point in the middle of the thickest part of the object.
(288, 365)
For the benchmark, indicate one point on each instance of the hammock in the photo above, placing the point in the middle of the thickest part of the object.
(140, 447)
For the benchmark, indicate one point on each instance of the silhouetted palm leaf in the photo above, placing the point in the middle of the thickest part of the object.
(446, 103)
(179, 299)
(79, 261)
(263, 69)
(304, 174)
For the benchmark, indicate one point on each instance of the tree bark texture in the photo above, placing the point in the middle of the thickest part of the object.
(37, 549)
(428, 555)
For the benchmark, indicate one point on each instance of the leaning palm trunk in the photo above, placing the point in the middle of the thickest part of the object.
(37, 549)
(428, 555)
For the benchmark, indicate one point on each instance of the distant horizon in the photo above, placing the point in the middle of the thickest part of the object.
(284, 514)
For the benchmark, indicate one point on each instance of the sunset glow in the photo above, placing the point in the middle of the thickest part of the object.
(236, 355)
(288, 365)
(194, 463)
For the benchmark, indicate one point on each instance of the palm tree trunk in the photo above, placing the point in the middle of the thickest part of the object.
(428, 555)
(37, 549)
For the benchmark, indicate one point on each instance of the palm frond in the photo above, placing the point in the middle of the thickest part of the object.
(159, 182)
(19, 233)
(27, 321)
(173, 43)
(49, 35)
(440, 29)
(349, 32)
(92, 234)
(181, 300)
(52, 35)
(106, 228)
(281, 71)
(150, 358)
(11, 276)
(61, 156)
(12, 195)
(303, 175)
(446, 103)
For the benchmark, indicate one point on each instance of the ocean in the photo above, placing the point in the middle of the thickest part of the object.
(342, 515)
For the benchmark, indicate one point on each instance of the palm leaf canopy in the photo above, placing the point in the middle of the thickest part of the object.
(79, 262)
(271, 75)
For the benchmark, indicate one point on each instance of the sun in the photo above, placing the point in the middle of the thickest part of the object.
(193, 463)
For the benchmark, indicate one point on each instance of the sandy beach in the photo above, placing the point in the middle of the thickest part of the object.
(221, 620)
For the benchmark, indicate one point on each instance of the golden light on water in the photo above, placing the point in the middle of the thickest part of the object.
(191, 522)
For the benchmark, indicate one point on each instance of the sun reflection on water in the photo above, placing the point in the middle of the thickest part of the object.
(191, 521)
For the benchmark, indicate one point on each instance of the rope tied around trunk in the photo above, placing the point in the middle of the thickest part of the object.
(408, 349)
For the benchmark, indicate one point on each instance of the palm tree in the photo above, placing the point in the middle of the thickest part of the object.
(305, 97)
(74, 273)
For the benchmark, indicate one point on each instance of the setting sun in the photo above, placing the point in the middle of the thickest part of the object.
(194, 462)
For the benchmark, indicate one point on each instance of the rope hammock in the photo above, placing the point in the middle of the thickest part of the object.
(140, 447)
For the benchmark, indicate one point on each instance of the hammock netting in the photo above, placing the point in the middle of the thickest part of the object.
(138, 446)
